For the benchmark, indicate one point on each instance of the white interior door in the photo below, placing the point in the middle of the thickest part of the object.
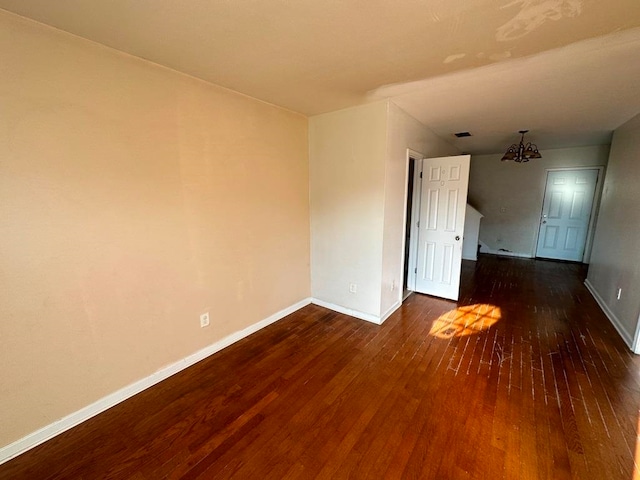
(443, 198)
(566, 211)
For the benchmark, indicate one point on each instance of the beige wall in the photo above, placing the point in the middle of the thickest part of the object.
(132, 199)
(615, 258)
(519, 189)
(358, 170)
(347, 167)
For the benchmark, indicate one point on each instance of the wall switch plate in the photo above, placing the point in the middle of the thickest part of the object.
(204, 320)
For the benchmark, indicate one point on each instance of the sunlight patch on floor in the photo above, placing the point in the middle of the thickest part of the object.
(467, 320)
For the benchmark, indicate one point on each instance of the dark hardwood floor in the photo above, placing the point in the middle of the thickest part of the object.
(523, 378)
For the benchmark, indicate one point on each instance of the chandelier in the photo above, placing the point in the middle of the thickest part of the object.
(522, 152)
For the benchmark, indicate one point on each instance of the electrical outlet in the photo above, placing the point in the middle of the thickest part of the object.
(353, 287)
(204, 320)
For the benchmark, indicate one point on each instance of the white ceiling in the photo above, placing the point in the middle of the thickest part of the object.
(570, 96)
(565, 69)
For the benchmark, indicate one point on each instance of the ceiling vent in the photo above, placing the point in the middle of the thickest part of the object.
(462, 134)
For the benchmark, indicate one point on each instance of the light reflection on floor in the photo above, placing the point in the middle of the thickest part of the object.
(466, 320)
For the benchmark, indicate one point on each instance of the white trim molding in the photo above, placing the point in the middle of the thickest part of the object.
(503, 253)
(636, 339)
(626, 336)
(390, 311)
(48, 432)
(348, 311)
(358, 314)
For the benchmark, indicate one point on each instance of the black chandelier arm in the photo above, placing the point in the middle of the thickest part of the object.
(521, 152)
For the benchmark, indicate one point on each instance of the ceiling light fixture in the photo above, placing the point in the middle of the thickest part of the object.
(521, 152)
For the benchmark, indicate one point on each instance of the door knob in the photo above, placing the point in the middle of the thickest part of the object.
(457, 237)
(544, 221)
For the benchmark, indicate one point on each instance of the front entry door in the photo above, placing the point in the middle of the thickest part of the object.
(566, 211)
(443, 200)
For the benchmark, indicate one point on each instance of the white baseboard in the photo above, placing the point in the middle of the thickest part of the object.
(628, 338)
(509, 254)
(48, 432)
(484, 248)
(390, 311)
(347, 311)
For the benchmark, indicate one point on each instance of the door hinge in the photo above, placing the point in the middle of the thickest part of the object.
(418, 224)
(420, 174)
(415, 270)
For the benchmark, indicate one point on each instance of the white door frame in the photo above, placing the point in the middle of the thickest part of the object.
(594, 208)
(636, 339)
(415, 214)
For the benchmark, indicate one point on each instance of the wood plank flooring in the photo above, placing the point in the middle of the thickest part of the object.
(523, 378)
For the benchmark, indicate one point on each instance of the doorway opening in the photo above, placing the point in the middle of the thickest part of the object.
(407, 228)
(434, 228)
